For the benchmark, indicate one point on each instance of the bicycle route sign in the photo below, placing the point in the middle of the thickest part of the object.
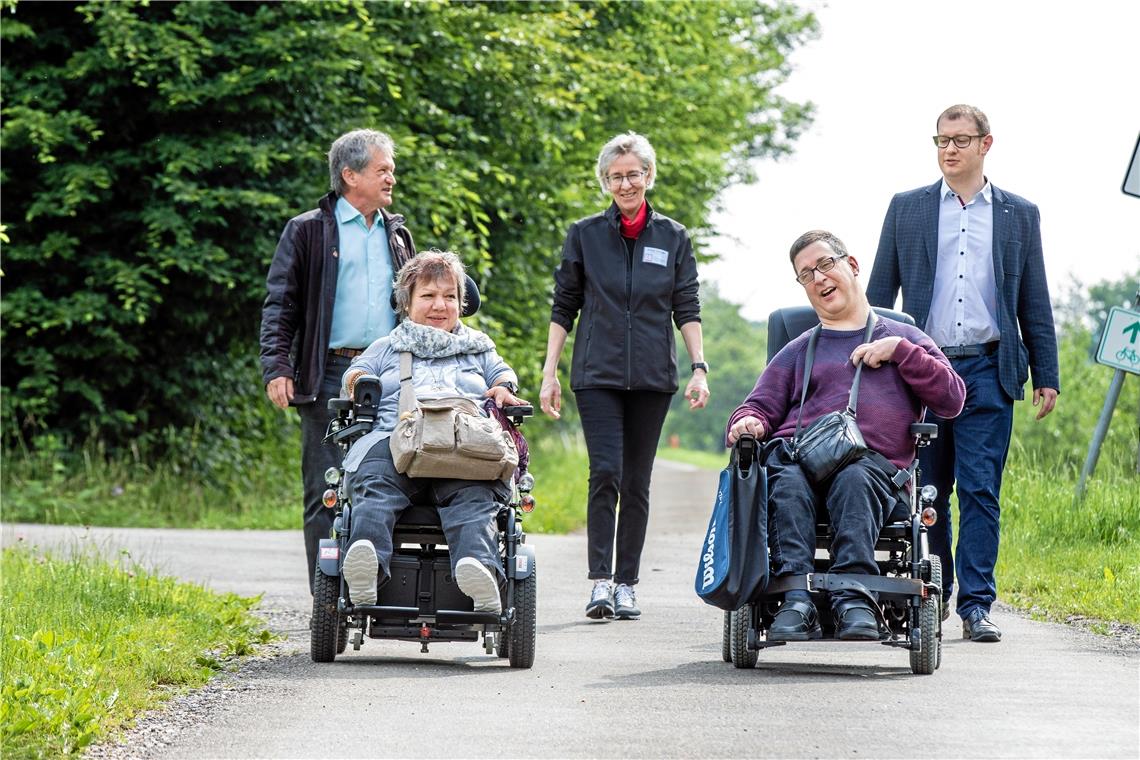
(1120, 343)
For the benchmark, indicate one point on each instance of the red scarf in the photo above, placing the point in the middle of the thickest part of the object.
(631, 229)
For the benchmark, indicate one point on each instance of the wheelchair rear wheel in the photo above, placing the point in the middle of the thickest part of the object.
(521, 636)
(741, 624)
(328, 635)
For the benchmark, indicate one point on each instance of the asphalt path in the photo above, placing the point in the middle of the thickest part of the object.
(655, 687)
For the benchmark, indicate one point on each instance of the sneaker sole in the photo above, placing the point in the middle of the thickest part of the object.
(627, 614)
(360, 572)
(599, 611)
(476, 581)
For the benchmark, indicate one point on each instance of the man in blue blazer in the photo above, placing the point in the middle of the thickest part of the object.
(968, 259)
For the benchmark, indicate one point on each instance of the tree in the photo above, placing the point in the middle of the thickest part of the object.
(152, 154)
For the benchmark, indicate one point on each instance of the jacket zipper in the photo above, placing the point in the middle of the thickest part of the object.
(629, 252)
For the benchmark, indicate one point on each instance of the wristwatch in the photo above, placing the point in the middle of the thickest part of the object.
(701, 365)
(510, 386)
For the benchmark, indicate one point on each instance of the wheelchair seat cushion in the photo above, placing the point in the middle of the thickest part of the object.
(419, 514)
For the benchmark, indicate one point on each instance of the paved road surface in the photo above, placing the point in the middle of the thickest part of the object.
(650, 688)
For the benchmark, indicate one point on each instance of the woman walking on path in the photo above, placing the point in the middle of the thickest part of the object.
(628, 273)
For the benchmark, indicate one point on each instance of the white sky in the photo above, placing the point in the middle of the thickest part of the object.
(1060, 83)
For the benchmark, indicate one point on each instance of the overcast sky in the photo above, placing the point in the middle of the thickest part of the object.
(1060, 83)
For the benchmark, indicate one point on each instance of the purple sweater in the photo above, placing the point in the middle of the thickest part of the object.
(891, 396)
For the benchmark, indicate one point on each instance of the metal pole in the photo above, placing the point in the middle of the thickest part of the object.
(1101, 430)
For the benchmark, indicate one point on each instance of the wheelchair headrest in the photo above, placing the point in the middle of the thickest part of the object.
(473, 299)
(791, 322)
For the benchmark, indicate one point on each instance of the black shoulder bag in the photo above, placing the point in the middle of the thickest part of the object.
(833, 441)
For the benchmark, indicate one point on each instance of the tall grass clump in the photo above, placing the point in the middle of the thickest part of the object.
(88, 644)
(561, 470)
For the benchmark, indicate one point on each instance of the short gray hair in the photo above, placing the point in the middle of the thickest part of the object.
(630, 142)
(353, 150)
(429, 266)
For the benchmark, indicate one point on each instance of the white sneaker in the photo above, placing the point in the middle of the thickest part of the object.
(601, 604)
(625, 603)
(479, 583)
(360, 570)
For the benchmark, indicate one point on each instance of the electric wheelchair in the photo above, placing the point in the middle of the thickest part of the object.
(909, 584)
(421, 602)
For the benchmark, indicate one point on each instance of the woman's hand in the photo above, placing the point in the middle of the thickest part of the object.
(749, 424)
(550, 396)
(697, 391)
(504, 397)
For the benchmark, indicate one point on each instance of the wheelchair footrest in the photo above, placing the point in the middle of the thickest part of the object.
(379, 610)
(839, 582)
(453, 617)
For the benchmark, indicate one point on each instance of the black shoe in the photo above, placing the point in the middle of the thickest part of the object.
(977, 626)
(854, 621)
(795, 621)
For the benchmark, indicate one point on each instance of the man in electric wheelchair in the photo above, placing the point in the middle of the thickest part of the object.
(429, 357)
(903, 372)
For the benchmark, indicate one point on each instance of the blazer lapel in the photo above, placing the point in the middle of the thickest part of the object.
(930, 203)
(1003, 217)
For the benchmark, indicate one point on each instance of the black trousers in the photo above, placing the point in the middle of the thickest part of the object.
(317, 455)
(859, 499)
(622, 429)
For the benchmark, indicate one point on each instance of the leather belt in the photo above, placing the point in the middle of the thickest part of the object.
(348, 353)
(965, 352)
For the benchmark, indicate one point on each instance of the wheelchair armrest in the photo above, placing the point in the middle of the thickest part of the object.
(925, 430)
(518, 412)
(366, 397)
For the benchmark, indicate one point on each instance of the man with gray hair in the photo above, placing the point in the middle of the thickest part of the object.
(329, 298)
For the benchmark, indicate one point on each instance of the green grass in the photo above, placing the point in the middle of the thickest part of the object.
(91, 488)
(706, 460)
(561, 480)
(88, 644)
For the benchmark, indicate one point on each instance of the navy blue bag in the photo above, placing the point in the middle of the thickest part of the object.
(733, 568)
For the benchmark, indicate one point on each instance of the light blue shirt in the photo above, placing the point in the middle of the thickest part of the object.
(362, 311)
(964, 308)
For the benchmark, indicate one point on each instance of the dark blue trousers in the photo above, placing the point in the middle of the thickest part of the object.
(317, 455)
(970, 454)
(858, 499)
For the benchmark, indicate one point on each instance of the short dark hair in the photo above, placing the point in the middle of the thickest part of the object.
(963, 111)
(816, 236)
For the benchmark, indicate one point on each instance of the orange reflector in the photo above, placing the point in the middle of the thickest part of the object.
(329, 498)
(527, 503)
(929, 516)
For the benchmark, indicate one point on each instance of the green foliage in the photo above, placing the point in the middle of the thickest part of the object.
(736, 350)
(153, 153)
(88, 644)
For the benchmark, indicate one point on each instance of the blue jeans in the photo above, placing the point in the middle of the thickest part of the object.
(970, 451)
(467, 509)
(318, 455)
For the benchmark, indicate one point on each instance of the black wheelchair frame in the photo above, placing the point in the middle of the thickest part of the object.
(909, 584)
(421, 601)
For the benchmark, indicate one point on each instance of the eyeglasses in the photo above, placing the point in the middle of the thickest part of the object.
(635, 178)
(960, 141)
(823, 267)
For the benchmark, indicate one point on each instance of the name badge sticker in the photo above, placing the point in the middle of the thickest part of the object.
(657, 256)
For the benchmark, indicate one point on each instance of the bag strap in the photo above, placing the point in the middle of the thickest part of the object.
(408, 400)
(809, 360)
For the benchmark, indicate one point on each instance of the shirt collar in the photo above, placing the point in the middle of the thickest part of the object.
(987, 192)
(346, 212)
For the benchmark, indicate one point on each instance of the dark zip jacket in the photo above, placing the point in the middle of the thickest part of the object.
(628, 304)
(297, 316)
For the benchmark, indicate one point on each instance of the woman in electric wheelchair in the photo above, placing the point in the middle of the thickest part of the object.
(903, 373)
(448, 359)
